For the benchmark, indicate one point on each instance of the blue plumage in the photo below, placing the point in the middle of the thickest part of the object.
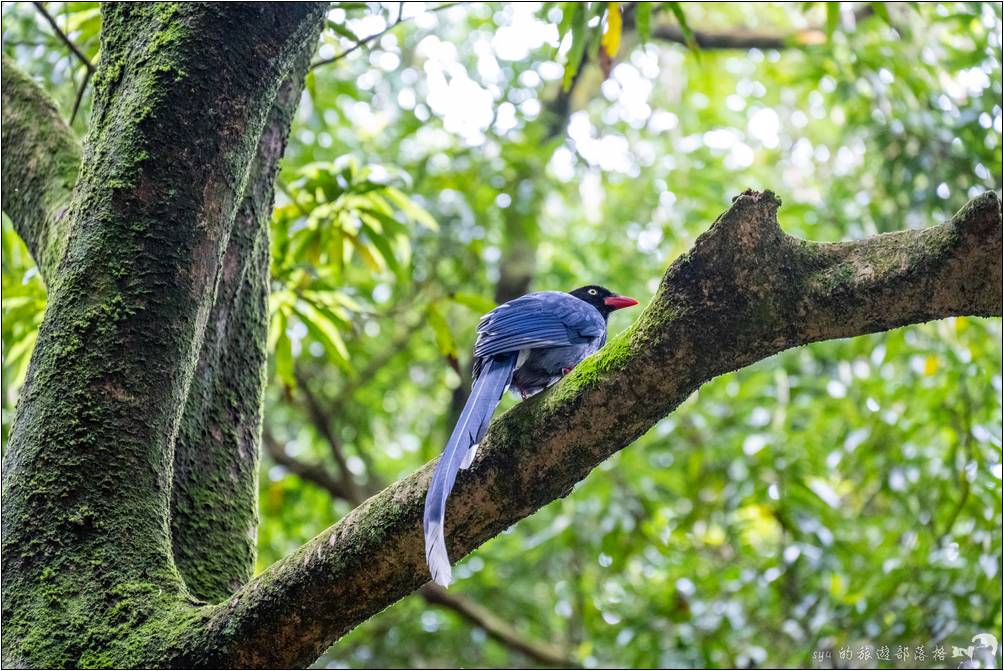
(529, 343)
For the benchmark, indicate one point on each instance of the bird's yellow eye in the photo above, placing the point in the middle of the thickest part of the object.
(592, 292)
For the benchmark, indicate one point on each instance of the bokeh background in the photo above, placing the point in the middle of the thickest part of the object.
(811, 509)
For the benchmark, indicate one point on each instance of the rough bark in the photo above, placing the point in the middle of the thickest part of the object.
(744, 292)
(214, 500)
(41, 159)
(180, 102)
(476, 615)
(133, 266)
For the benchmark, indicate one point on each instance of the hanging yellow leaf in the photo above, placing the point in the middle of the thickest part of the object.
(611, 41)
(930, 365)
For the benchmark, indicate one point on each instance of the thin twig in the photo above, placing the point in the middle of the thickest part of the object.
(315, 473)
(62, 36)
(321, 423)
(375, 36)
(88, 66)
(80, 96)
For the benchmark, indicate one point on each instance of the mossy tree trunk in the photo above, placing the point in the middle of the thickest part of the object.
(171, 202)
(129, 481)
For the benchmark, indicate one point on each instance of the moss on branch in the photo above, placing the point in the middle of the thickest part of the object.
(41, 159)
(744, 292)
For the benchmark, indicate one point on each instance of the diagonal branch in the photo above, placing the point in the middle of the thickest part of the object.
(64, 38)
(744, 292)
(314, 473)
(497, 628)
(41, 160)
(741, 38)
(494, 626)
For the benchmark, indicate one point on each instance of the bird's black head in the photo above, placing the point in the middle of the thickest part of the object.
(603, 299)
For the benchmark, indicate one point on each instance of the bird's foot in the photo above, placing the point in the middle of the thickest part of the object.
(523, 395)
(566, 371)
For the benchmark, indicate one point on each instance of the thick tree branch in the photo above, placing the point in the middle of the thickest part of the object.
(214, 526)
(739, 38)
(744, 292)
(41, 160)
(494, 626)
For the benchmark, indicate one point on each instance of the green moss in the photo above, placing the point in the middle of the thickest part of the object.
(89, 577)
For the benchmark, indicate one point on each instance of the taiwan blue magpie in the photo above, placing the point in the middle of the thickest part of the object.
(528, 344)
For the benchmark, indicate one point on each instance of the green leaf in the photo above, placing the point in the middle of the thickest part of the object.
(643, 21)
(277, 322)
(578, 25)
(832, 18)
(881, 11)
(310, 83)
(478, 304)
(688, 34)
(383, 246)
(444, 339)
(343, 30)
(411, 209)
(283, 351)
(322, 327)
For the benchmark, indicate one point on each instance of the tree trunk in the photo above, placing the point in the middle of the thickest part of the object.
(181, 99)
(128, 484)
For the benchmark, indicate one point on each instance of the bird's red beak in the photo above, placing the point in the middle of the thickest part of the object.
(618, 302)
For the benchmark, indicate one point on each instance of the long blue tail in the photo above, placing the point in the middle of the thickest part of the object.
(459, 452)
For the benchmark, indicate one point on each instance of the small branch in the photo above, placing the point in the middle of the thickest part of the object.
(736, 39)
(742, 38)
(80, 96)
(375, 36)
(744, 292)
(497, 628)
(319, 419)
(66, 40)
(313, 473)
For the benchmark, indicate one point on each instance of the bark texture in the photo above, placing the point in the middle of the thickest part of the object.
(156, 275)
(744, 292)
(47, 156)
(180, 102)
(214, 499)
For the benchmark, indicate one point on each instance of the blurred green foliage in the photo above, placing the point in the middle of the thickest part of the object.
(843, 494)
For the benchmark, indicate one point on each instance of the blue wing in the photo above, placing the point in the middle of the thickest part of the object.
(535, 321)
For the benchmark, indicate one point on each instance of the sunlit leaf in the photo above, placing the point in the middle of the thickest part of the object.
(612, 35)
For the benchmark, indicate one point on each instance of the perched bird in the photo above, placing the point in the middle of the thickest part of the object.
(528, 343)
